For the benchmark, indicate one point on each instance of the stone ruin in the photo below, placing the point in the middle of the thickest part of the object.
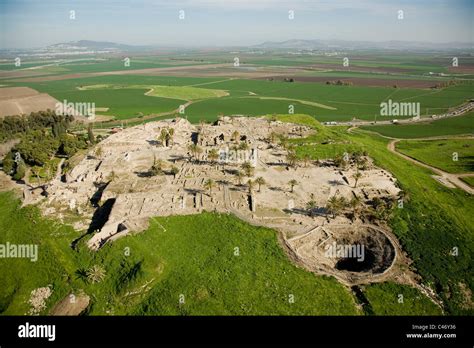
(114, 193)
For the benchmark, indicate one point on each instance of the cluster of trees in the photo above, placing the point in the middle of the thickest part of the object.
(166, 136)
(445, 84)
(42, 135)
(11, 126)
(246, 171)
(339, 83)
(357, 157)
(158, 168)
(36, 148)
(378, 209)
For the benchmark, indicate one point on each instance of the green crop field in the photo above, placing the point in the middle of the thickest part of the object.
(122, 103)
(173, 92)
(450, 155)
(449, 126)
(325, 102)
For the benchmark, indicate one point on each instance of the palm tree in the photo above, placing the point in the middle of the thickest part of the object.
(195, 150)
(95, 274)
(357, 175)
(198, 151)
(310, 206)
(239, 176)
(250, 184)
(243, 146)
(209, 184)
(171, 135)
(235, 136)
(291, 159)
(292, 184)
(164, 137)
(381, 212)
(260, 181)
(342, 203)
(333, 206)
(213, 155)
(174, 170)
(355, 203)
(248, 169)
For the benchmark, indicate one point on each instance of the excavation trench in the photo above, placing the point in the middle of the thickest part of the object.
(351, 253)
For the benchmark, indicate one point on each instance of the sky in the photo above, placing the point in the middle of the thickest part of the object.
(214, 23)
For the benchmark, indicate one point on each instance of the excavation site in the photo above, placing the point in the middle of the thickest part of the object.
(323, 212)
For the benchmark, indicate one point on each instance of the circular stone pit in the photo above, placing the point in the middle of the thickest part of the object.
(352, 253)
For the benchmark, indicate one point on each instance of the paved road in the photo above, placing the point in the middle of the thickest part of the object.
(458, 111)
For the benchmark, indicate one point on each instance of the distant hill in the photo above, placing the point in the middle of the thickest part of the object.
(96, 46)
(345, 44)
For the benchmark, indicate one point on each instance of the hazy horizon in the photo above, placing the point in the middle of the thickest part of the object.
(214, 23)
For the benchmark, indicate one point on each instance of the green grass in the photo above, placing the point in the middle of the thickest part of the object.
(122, 103)
(200, 264)
(397, 299)
(442, 153)
(175, 256)
(253, 97)
(54, 266)
(250, 106)
(173, 92)
(449, 126)
(433, 221)
(469, 180)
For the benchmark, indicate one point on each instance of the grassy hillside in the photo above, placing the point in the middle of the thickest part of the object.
(442, 153)
(434, 222)
(435, 226)
(175, 256)
(396, 299)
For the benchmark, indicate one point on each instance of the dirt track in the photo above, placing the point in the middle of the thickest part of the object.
(444, 177)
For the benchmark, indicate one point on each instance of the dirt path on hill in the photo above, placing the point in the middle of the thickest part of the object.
(443, 177)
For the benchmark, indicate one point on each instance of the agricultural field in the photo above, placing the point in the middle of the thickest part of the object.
(174, 92)
(450, 155)
(245, 96)
(175, 256)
